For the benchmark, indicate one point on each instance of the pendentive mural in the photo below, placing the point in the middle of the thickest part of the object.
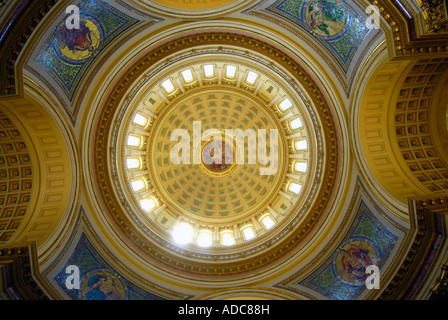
(65, 57)
(78, 44)
(99, 279)
(337, 25)
(369, 241)
(68, 53)
(325, 18)
(343, 276)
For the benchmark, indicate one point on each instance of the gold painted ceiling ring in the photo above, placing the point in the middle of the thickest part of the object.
(137, 101)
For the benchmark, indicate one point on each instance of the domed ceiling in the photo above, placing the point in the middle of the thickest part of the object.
(226, 149)
(166, 184)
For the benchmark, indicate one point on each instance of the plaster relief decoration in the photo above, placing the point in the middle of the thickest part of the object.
(436, 17)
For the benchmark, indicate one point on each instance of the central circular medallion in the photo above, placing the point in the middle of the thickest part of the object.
(218, 156)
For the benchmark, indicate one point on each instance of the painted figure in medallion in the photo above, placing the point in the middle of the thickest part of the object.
(352, 260)
(77, 44)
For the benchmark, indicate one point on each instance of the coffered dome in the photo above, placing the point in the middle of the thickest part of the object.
(235, 197)
(228, 100)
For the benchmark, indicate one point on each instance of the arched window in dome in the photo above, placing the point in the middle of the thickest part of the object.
(248, 233)
(183, 233)
(251, 77)
(294, 187)
(300, 166)
(134, 141)
(227, 238)
(148, 204)
(133, 162)
(209, 70)
(267, 221)
(301, 145)
(230, 71)
(140, 120)
(187, 75)
(205, 238)
(296, 123)
(285, 104)
(138, 185)
(168, 86)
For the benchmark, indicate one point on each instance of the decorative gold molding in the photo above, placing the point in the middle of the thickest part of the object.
(192, 9)
(25, 21)
(439, 204)
(440, 288)
(403, 36)
(428, 236)
(276, 248)
(245, 293)
(435, 16)
(20, 271)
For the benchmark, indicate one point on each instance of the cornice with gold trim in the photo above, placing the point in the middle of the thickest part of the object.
(158, 9)
(19, 260)
(25, 17)
(403, 37)
(429, 232)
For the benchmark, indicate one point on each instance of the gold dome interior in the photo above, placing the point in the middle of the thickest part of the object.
(223, 149)
(223, 202)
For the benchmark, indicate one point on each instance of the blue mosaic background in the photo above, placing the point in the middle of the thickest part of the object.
(68, 72)
(342, 46)
(92, 266)
(366, 228)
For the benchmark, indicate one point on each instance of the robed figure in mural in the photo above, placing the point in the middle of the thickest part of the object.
(355, 261)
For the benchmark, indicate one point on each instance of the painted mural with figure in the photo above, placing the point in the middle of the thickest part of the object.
(81, 43)
(82, 35)
(326, 17)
